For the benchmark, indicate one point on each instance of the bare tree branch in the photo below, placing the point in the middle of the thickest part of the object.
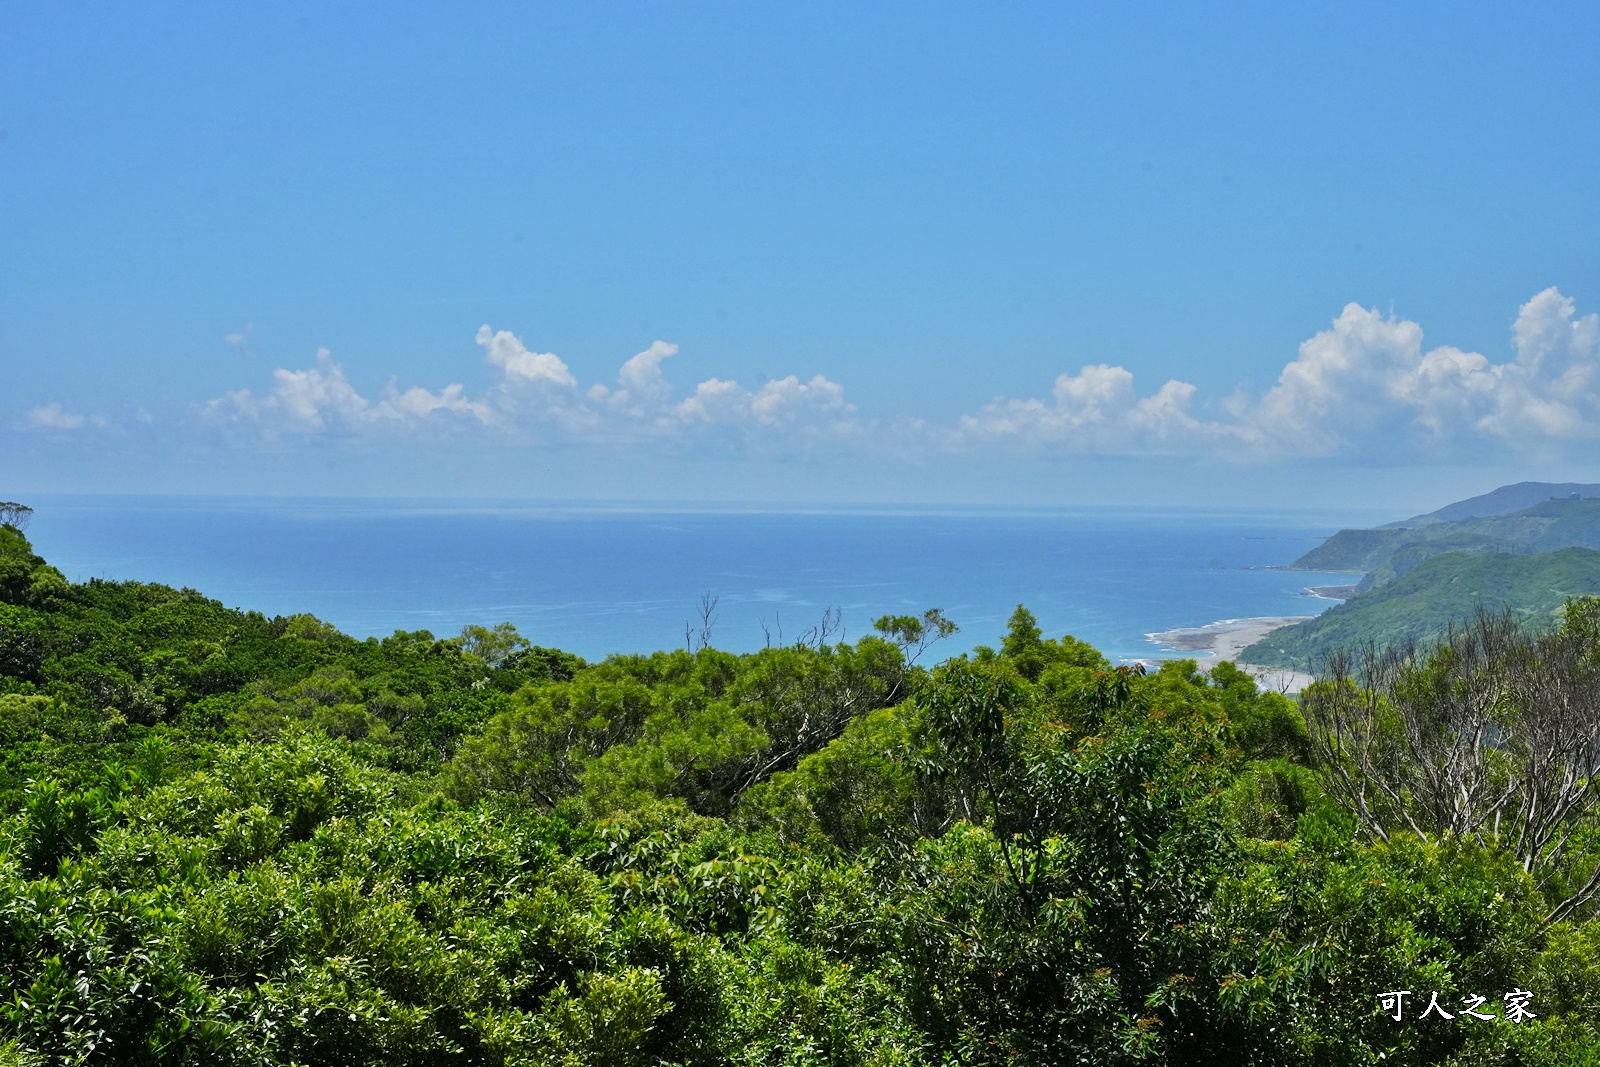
(708, 617)
(14, 514)
(1494, 735)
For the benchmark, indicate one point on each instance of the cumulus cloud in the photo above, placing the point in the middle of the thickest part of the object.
(640, 383)
(1366, 385)
(1098, 410)
(535, 396)
(782, 402)
(643, 393)
(644, 404)
(1369, 380)
(506, 351)
(321, 399)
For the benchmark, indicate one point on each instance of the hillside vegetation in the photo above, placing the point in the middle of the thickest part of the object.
(227, 839)
(1421, 575)
(1420, 605)
(1384, 554)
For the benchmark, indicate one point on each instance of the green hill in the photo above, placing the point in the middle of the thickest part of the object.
(1384, 554)
(1419, 603)
(1502, 501)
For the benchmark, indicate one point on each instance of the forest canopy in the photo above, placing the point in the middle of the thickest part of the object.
(233, 839)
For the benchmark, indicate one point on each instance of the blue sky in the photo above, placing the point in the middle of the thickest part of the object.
(1019, 254)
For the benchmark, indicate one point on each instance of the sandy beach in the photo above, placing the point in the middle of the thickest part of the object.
(1224, 640)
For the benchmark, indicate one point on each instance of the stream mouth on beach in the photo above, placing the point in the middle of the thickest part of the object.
(1224, 640)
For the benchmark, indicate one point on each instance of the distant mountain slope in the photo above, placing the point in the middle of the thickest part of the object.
(1501, 501)
(1418, 604)
(1383, 554)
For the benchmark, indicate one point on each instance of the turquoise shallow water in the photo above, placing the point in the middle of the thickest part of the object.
(597, 580)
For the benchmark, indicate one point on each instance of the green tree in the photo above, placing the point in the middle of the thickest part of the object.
(912, 635)
(492, 647)
(24, 577)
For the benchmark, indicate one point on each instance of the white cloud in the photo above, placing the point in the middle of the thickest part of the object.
(641, 378)
(1368, 381)
(321, 398)
(1098, 410)
(239, 340)
(782, 402)
(53, 417)
(644, 404)
(506, 351)
(1346, 384)
(1365, 386)
(535, 397)
(314, 397)
(641, 386)
(418, 403)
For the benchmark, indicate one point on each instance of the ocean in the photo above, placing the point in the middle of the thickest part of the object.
(597, 580)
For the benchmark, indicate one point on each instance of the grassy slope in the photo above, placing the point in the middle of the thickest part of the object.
(1419, 604)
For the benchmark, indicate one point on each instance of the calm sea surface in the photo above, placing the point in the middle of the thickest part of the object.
(595, 581)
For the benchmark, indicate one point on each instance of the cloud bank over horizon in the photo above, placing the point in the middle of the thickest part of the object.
(534, 397)
(1366, 388)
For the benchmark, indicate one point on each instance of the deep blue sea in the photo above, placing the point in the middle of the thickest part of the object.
(595, 580)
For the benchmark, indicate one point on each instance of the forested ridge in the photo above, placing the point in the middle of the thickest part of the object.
(1388, 552)
(1419, 605)
(1496, 551)
(233, 839)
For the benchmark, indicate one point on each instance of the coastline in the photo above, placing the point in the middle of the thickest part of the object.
(1223, 640)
